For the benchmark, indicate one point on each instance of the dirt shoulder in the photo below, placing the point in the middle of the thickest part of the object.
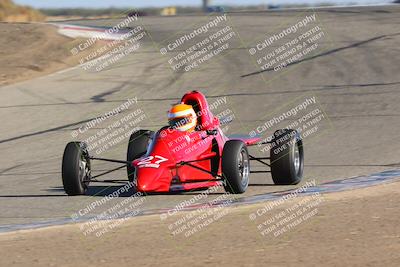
(32, 50)
(356, 228)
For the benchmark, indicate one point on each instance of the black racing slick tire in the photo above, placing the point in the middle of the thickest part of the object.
(287, 157)
(137, 147)
(76, 172)
(235, 166)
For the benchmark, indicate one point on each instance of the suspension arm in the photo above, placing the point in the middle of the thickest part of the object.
(112, 160)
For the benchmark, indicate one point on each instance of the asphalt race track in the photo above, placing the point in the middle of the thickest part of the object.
(353, 75)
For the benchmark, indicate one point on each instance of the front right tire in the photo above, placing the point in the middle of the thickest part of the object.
(287, 157)
(75, 169)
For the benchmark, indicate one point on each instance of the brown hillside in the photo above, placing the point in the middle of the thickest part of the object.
(11, 12)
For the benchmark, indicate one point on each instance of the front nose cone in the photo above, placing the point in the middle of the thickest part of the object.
(152, 180)
(141, 187)
(149, 187)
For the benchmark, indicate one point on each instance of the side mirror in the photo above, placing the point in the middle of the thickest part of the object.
(212, 132)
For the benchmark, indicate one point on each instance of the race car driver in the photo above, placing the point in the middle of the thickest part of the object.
(182, 118)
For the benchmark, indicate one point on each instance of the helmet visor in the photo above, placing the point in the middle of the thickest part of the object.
(176, 123)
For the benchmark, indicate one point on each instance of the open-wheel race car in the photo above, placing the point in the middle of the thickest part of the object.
(172, 160)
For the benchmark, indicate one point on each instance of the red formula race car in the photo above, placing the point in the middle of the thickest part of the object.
(170, 160)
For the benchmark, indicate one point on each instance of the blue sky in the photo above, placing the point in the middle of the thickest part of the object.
(146, 3)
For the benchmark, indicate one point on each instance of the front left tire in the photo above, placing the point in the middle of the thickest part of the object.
(235, 166)
(76, 169)
(137, 147)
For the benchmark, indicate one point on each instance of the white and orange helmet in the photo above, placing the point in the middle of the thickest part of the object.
(182, 117)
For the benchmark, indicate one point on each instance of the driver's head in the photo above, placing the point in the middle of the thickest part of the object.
(182, 118)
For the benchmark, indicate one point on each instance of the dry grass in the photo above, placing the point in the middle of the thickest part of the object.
(11, 12)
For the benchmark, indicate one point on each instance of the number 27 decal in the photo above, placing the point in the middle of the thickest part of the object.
(151, 162)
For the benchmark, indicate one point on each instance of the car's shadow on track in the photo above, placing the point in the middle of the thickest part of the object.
(262, 185)
(110, 190)
(30, 196)
(102, 191)
(54, 189)
(107, 190)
